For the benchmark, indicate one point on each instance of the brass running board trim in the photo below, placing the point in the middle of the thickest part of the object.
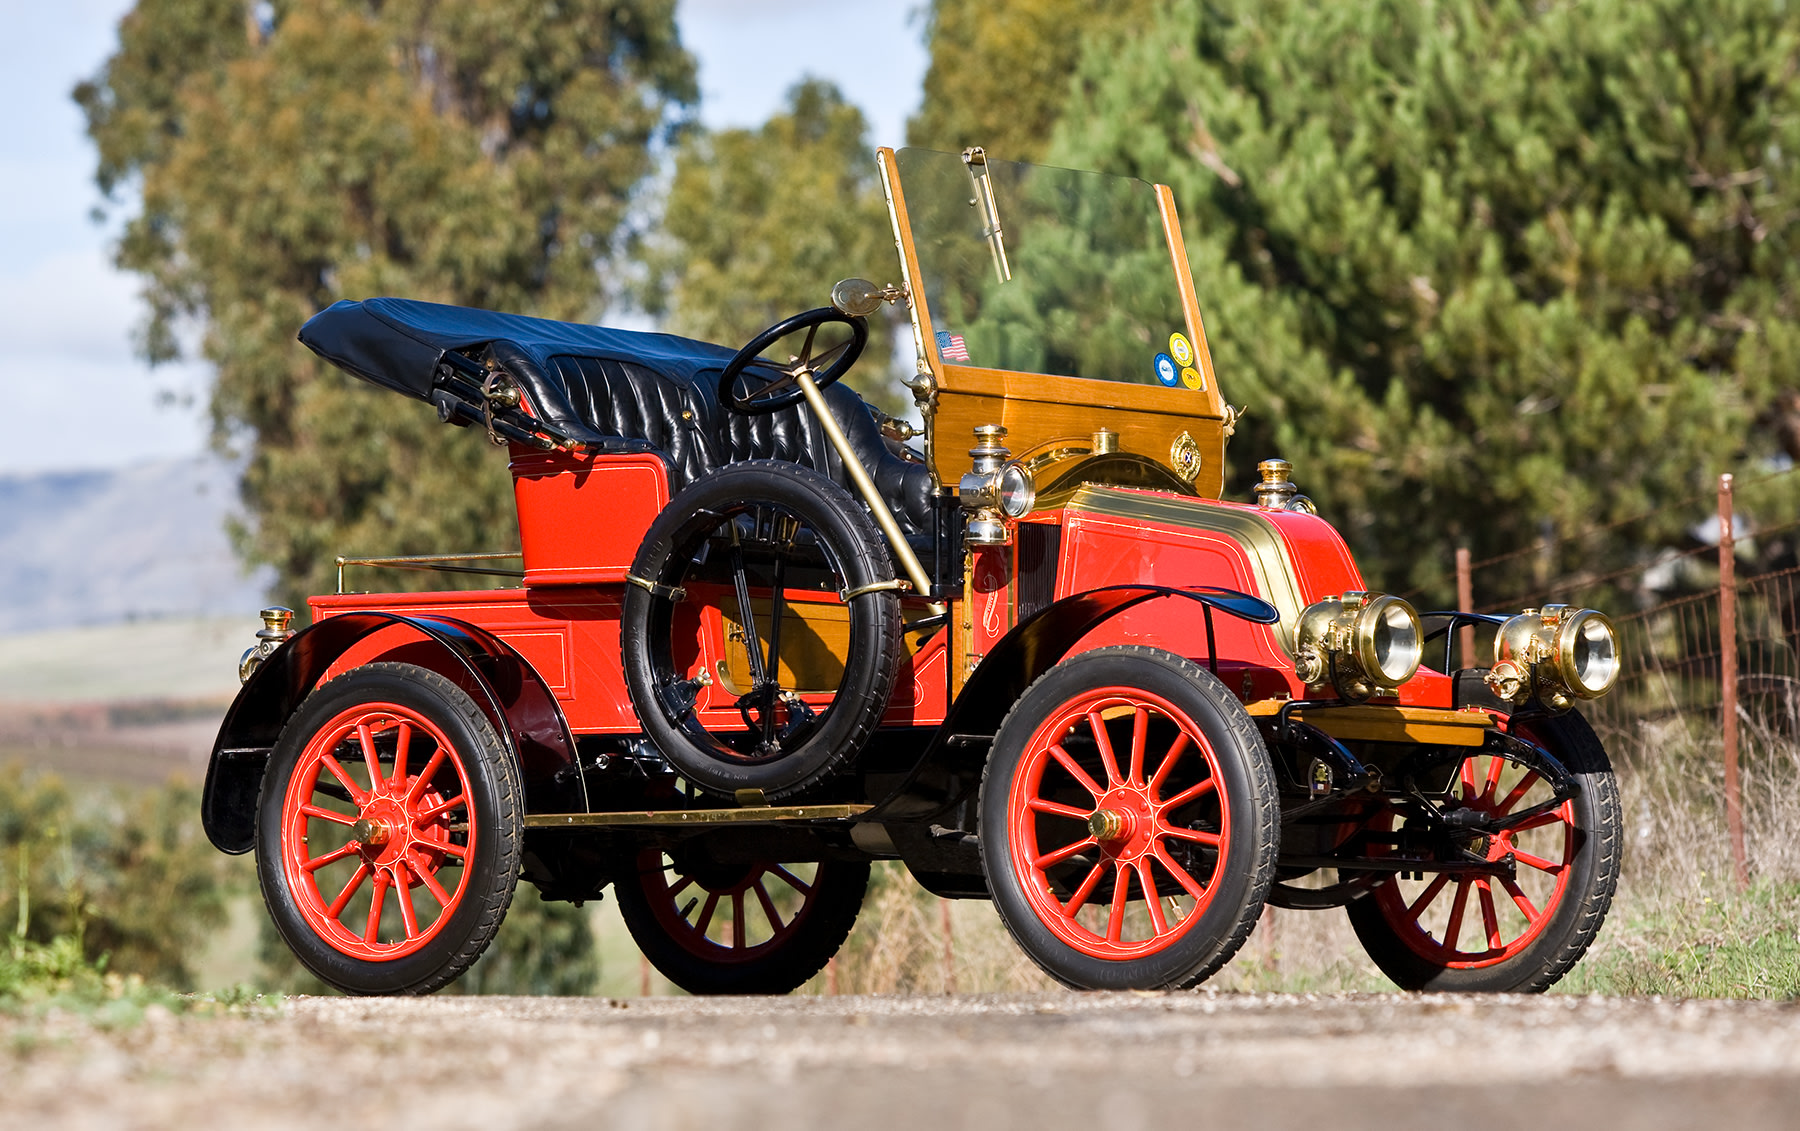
(1437, 726)
(750, 815)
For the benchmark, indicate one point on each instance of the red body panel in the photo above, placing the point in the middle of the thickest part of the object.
(582, 518)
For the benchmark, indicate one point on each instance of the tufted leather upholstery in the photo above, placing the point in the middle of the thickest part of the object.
(681, 418)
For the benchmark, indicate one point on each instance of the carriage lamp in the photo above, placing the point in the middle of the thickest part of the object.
(1556, 653)
(1359, 643)
(272, 635)
(995, 489)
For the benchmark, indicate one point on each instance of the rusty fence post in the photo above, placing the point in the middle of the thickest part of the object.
(1465, 603)
(1728, 679)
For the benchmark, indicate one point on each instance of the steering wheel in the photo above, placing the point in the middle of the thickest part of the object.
(782, 387)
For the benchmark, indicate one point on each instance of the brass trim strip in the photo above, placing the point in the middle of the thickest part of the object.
(1261, 542)
(751, 815)
(435, 563)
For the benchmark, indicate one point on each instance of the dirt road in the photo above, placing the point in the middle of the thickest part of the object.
(1095, 1061)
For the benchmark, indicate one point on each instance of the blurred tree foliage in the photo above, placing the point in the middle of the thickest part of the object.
(129, 875)
(292, 153)
(1484, 270)
(1001, 71)
(760, 223)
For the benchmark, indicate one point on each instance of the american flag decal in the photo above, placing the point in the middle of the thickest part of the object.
(951, 347)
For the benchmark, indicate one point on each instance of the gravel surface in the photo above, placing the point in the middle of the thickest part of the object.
(1092, 1061)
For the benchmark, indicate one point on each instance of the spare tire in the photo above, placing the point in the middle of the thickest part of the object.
(756, 540)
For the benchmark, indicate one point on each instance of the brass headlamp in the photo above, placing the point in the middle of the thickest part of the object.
(994, 490)
(1360, 643)
(1557, 654)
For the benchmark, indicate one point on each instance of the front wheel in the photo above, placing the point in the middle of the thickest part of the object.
(1507, 934)
(389, 831)
(1129, 821)
(741, 923)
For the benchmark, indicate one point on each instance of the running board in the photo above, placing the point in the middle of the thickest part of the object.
(754, 814)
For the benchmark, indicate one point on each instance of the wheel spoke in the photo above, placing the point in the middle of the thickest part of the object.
(1108, 760)
(331, 857)
(1181, 874)
(1518, 791)
(1526, 907)
(403, 893)
(357, 793)
(1538, 862)
(1115, 920)
(1453, 932)
(1552, 817)
(402, 741)
(1468, 779)
(430, 882)
(373, 933)
(1051, 859)
(1425, 897)
(1495, 765)
(768, 906)
(1140, 731)
(449, 849)
(437, 810)
(1176, 750)
(1191, 793)
(686, 882)
(1080, 898)
(1057, 809)
(326, 815)
(338, 904)
(737, 920)
(706, 912)
(1210, 840)
(1152, 898)
(366, 740)
(1068, 763)
(792, 880)
(424, 779)
(1489, 918)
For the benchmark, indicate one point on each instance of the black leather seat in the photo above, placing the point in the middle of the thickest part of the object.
(599, 383)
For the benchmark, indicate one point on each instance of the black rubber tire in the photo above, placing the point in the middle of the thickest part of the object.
(1249, 783)
(840, 887)
(860, 558)
(1576, 919)
(496, 803)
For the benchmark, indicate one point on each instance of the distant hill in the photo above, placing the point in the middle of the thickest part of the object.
(145, 542)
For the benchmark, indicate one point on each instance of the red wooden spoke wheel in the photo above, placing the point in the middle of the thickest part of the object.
(404, 832)
(736, 921)
(1134, 808)
(1473, 931)
(389, 831)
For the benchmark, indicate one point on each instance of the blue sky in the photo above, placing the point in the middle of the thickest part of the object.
(79, 398)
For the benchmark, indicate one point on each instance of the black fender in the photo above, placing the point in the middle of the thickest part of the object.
(1034, 646)
(515, 698)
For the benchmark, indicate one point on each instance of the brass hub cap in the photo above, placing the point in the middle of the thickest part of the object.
(370, 833)
(1109, 825)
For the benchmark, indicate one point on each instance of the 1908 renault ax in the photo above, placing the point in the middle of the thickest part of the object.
(760, 639)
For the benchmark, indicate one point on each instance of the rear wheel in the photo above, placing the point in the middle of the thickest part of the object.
(1129, 821)
(1498, 934)
(750, 926)
(389, 831)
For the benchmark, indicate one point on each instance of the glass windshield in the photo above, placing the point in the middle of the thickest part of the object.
(1035, 269)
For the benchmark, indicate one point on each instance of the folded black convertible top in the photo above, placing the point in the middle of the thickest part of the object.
(397, 343)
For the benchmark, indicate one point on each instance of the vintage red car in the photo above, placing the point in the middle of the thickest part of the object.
(760, 640)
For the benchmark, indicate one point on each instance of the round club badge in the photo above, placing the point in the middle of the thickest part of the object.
(1191, 378)
(1166, 370)
(1181, 349)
